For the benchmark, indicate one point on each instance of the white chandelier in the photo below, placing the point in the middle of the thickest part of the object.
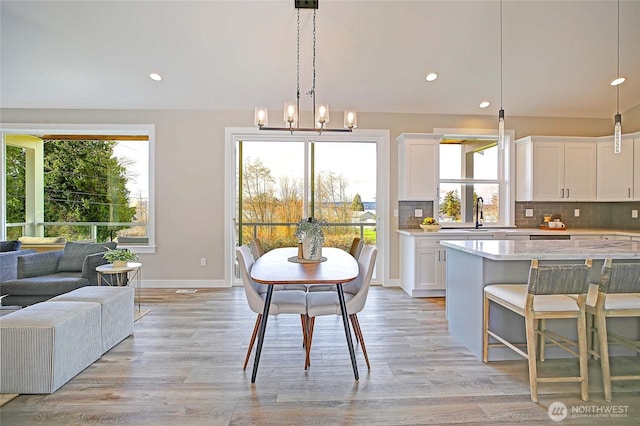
(292, 109)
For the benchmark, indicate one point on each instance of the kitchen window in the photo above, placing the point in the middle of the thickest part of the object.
(473, 167)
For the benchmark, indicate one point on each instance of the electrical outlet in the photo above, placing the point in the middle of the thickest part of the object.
(395, 213)
(528, 212)
(418, 213)
(576, 212)
(634, 214)
(203, 261)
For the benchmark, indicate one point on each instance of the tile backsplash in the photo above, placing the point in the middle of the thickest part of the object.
(406, 213)
(592, 214)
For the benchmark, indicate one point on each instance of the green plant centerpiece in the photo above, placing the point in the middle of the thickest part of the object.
(429, 224)
(119, 257)
(311, 236)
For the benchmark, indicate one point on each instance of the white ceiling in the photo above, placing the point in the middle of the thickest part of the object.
(558, 56)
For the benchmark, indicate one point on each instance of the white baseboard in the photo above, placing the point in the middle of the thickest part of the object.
(184, 284)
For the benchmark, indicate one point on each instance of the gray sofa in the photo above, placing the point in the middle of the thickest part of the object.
(9, 252)
(41, 276)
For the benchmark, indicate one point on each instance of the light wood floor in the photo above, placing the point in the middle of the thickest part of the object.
(183, 366)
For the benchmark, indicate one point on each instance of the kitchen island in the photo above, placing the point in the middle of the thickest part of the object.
(473, 264)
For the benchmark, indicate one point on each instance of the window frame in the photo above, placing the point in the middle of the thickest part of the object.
(85, 129)
(379, 137)
(505, 179)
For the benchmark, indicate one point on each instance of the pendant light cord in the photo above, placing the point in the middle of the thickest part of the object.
(618, 60)
(500, 54)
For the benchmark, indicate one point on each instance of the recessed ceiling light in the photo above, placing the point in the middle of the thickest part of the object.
(155, 76)
(617, 81)
(484, 104)
(431, 76)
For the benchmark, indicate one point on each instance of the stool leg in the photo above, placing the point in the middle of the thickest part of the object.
(485, 330)
(601, 327)
(530, 325)
(584, 354)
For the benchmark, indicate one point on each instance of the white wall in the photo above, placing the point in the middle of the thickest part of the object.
(190, 175)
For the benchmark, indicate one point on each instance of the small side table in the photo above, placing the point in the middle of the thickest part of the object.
(123, 275)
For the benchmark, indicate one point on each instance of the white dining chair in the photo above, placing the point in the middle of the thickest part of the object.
(617, 295)
(354, 250)
(282, 302)
(355, 294)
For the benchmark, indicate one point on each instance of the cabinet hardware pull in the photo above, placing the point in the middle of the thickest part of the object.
(629, 192)
(567, 192)
(562, 196)
(438, 255)
(444, 255)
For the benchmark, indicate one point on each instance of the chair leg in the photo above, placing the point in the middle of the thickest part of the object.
(583, 355)
(311, 323)
(485, 330)
(253, 339)
(531, 356)
(359, 337)
(601, 329)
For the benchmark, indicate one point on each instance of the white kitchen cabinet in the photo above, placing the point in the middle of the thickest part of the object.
(423, 265)
(615, 171)
(556, 169)
(418, 166)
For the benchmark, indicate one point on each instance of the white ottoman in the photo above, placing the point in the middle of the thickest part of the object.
(45, 345)
(116, 314)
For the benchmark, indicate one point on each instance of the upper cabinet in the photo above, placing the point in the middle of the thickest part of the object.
(615, 171)
(418, 161)
(555, 169)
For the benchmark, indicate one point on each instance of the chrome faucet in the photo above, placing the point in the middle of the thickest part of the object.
(479, 208)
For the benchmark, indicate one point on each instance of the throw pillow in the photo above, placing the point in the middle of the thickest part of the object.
(74, 254)
(10, 245)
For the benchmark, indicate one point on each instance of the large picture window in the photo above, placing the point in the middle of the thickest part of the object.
(79, 186)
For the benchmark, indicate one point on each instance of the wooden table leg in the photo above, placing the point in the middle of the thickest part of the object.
(347, 331)
(263, 327)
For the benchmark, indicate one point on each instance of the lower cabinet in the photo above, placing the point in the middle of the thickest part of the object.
(423, 265)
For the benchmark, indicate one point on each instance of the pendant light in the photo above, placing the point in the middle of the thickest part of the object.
(501, 112)
(617, 129)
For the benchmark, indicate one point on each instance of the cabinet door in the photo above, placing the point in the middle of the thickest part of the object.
(427, 269)
(636, 165)
(418, 161)
(548, 171)
(615, 171)
(579, 172)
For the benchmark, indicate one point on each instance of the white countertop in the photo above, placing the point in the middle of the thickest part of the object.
(443, 232)
(547, 250)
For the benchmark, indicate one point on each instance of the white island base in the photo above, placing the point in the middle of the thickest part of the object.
(471, 265)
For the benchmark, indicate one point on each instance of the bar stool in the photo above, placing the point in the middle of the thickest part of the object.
(545, 296)
(618, 295)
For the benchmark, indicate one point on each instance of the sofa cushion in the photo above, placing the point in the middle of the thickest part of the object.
(10, 245)
(45, 285)
(74, 254)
